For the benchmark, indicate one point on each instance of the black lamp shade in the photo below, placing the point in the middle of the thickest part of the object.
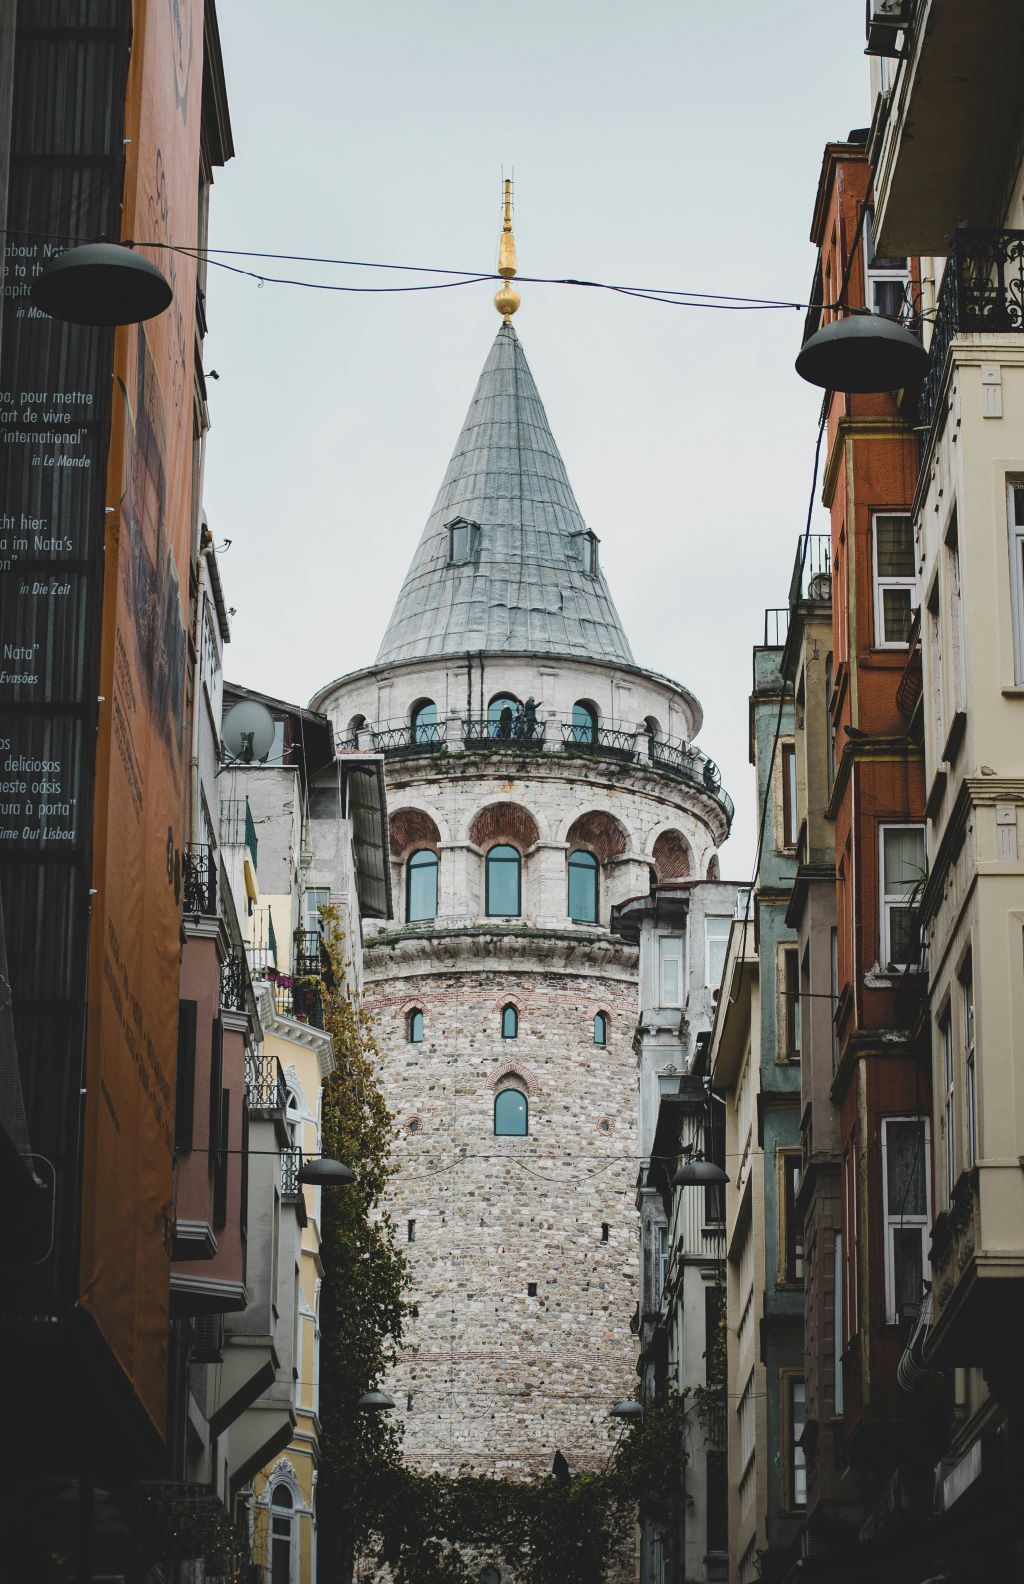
(375, 1401)
(699, 1173)
(628, 1408)
(101, 283)
(321, 1172)
(861, 353)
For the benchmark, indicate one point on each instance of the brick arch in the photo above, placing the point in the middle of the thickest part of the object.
(411, 829)
(599, 833)
(673, 859)
(513, 1069)
(504, 824)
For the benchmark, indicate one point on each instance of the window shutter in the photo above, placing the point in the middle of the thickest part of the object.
(216, 1083)
(185, 1090)
(220, 1170)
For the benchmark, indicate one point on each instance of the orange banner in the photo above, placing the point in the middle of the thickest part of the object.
(142, 759)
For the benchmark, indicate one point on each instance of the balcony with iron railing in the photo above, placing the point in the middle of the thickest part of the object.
(265, 1088)
(392, 737)
(236, 826)
(261, 947)
(982, 293)
(291, 1164)
(776, 627)
(199, 880)
(234, 981)
(626, 742)
(812, 570)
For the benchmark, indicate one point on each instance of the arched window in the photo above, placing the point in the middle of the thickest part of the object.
(501, 715)
(421, 886)
(583, 887)
(503, 891)
(415, 1026)
(601, 1028)
(281, 1506)
(584, 723)
(510, 1023)
(511, 1114)
(423, 722)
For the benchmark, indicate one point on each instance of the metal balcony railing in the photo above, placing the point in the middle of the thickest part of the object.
(812, 571)
(404, 738)
(684, 760)
(291, 1162)
(265, 1088)
(619, 741)
(776, 627)
(234, 981)
(309, 953)
(236, 825)
(490, 734)
(199, 877)
(982, 293)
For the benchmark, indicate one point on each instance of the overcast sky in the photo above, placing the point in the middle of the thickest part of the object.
(665, 143)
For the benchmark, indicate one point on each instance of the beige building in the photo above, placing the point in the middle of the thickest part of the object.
(946, 143)
(735, 1060)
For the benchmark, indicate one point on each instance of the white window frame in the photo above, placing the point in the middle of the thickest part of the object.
(889, 901)
(715, 940)
(880, 583)
(670, 956)
(895, 1217)
(873, 275)
(1016, 548)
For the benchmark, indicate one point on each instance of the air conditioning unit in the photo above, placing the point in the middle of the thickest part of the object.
(886, 21)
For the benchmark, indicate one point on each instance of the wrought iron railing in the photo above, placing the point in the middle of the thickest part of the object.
(776, 627)
(236, 825)
(291, 1162)
(619, 741)
(982, 293)
(234, 981)
(199, 876)
(309, 952)
(265, 1088)
(262, 946)
(408, 739)
(909, 686)
(686, 761)
(492, 734)
(812, 570)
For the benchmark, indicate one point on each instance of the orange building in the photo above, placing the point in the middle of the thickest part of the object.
(881, 1458)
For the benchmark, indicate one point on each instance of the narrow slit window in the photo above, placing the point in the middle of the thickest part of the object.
(601, 1029)
(415, 1026)
(510, 1023)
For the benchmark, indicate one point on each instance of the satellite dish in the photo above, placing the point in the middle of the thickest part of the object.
(247, 732)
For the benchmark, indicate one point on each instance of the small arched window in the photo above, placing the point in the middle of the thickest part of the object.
(584, 723)
(601, 1028)
(583, 887)
(510, 1023)
(511, 1114)
(281, 1508)
(421, 886)
(501, 715)
(415, 1023)
(503, 899)
(423, 722)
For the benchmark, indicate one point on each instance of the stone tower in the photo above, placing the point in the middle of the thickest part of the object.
(536, 777)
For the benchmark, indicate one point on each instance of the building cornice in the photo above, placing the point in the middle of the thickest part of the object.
(974, 792)
(286, 1028)
(416, 953)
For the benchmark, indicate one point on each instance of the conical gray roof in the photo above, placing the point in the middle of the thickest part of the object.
(527, 585)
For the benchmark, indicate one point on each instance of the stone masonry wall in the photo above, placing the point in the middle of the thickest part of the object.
(493, 1374)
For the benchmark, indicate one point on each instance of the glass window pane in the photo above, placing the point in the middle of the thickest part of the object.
(903, 860)
(908, 1267)
(904, 936)
(600, 1029)
(583, 887)
(421, 899)
(889, 297)
(894, 547)
(510, 1114)
(424, 723)
(509, 1023)
(503, 882)
(905, 1168)
(896, 614)
(584, 723)
(670, 970)
(415, 1027)
(797, 1397)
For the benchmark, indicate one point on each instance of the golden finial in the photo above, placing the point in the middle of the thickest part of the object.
(506, 298)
